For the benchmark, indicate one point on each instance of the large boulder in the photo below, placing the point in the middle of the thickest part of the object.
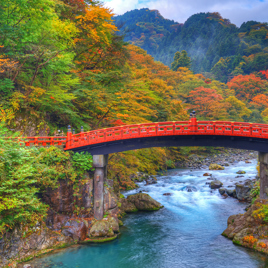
(76, 229)
(249, 229)
(127, 206)
(144, 202)
(216, 184)
(107, 227)
(216, 167)
(222, 190)
(243, 190)
(231, 192)
(140, 201)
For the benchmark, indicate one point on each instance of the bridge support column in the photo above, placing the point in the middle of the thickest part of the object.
(100, 164)
(263, 159)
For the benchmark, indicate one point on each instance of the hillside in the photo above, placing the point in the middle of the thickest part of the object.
(213, 43)
(145, 28)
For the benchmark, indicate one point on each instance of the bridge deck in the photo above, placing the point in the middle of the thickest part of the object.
(193, 133)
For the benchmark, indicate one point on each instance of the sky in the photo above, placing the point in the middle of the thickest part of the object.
(237, 11)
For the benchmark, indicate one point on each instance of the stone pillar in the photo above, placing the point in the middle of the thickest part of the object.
(263, 159)
(100, 164)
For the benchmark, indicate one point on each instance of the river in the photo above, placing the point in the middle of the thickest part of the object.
(186, 233)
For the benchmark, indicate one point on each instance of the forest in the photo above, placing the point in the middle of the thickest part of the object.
(218, 48)
(66, 62)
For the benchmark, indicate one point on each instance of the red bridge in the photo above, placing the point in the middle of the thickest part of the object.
(240, 135)
(102, 142)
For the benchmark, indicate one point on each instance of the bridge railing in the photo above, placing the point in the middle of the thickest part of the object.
(191, 127)
(40, 141)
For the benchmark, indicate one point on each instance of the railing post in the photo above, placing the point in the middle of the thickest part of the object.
(190, 122)
(194, 122)
(69, 137)
(82, 140)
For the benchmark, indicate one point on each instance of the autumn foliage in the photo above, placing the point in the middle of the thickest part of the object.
(246, 87)
(68, 64)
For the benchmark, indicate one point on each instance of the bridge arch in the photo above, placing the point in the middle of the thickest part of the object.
(102, 142)
(171, 134)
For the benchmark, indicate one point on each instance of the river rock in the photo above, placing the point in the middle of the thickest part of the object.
(76, 229)
(241, 172)
(216, 167)
(225, 196)
(212, 178)
(127, 206)
(207, 174)
(104, 228)
(222, 191)
(243, 190)
(231, 192)
(168, 194)
(216, 184)
(190, 188)
(248, 230)
(248, 162)
(144, 202)
(151, 180)
(14, 245)
(139, 177)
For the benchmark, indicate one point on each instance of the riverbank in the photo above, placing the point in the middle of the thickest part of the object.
(223, 158)
(185, 233)
(250, 229)
(63, 230)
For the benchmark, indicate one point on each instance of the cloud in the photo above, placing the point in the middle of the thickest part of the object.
(237, 11)
(122, 6)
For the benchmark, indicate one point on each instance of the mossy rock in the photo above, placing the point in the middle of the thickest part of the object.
(144, 202)
(216, 167)
(216, 184)
(224, 234)
(98, 239)
(236, 242)
(107, 227)
(241, 172)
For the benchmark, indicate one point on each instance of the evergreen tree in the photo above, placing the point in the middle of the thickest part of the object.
(181, 59)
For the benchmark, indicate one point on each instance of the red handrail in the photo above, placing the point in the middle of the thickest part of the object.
(191, 127)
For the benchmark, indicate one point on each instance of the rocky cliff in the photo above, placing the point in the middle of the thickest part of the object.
(250, 229)
(70, 220)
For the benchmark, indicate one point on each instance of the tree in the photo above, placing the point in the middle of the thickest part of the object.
(181, 59)
(246, 87)
(260, 102)
(207, 103)
(237, 110)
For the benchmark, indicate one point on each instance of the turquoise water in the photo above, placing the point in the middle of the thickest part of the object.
(185, 234)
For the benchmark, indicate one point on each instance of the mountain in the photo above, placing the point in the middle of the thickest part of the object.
(214, 44)
(145, 28)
